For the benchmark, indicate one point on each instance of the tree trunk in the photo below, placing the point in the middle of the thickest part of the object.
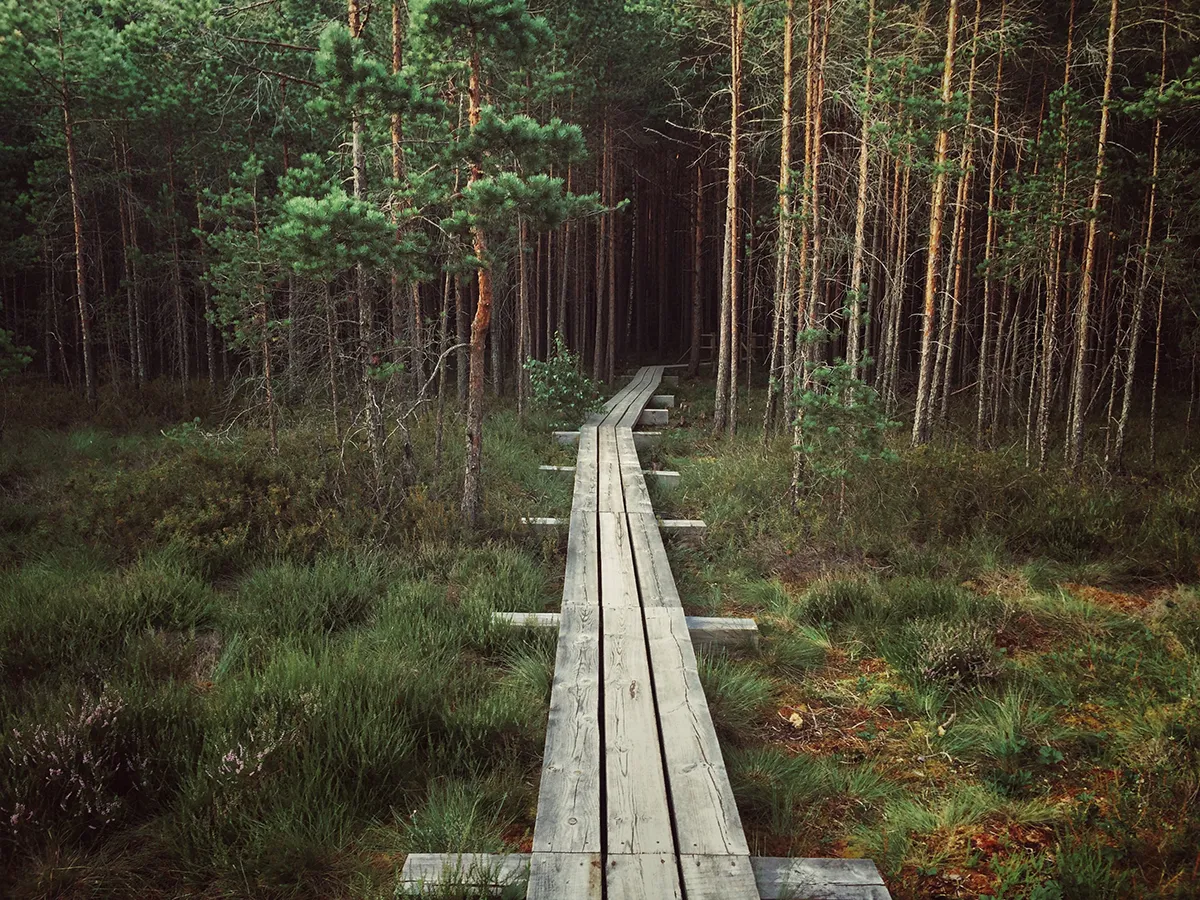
(922, 418)
(1139, 298)
(727, 354)
(85, 319)
(989, 240)
(783, 249)
(854, 323)
(697, 272)
(479, 328)
(1089, 258)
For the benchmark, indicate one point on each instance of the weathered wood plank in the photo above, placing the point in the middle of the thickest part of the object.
(717, 877)
(567, 438)
(706, 814)
(637, 496)
(587, 470)
(706, 631)
(562, 469)
(663, 400)
(540, 621)
(568, 814)
(818, 879)
(581, 581)
(611, 496)
(618, 583)
(489, 872)
(724, 633)
(544, 523)
(642, 876)
(694, 527)
(664, 477)
(651, 417)
(639, 820)
(671, 380)
(777, 878)
(653, 567)
(565, 876)
(646, 440)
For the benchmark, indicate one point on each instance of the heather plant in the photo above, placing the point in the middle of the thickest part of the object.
(73, 775)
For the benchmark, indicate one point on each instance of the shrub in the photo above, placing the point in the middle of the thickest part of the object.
(560, 386)
(957, 654)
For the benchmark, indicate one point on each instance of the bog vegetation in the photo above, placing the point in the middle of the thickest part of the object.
(292, 295)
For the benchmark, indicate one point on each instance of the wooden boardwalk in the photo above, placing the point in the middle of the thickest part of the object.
(634, 800)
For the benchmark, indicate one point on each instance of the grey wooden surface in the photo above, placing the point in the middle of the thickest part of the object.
(704, 877)
(634, 802)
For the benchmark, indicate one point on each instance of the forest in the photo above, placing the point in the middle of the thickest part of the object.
(295, 294)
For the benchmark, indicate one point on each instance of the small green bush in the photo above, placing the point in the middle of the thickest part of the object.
(560, 387)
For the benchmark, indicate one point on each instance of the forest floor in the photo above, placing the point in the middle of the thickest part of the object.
(225, 673)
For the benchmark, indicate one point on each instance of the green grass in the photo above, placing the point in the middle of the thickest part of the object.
(272, 686)
(971, 719)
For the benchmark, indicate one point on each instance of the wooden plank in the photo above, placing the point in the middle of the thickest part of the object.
(684, 526)
(567, 438)
(706, 815)
(653, 567)
(777, 871)
(818, 879)
(663, 400)
(717, 877)
(642, 876)
(587, 471)
(541, 621)
(544, 523)
(568, 813)
(565, 876)
(639, 819)
(611, 497)
(581, 581)
(671, 380)
(489, 872)
(663, 477)
(777, 878)
(638, 403)
(706, 631)
(562, 469)
(727, 634)
(653, 417)
(646, 440)
(637, 496)
(618, 584)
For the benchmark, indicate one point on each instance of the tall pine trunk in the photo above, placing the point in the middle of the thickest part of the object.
(1087, 276)
(922, 418)
(471, 499)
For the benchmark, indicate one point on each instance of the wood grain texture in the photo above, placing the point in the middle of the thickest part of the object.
(638, 819)
(568, 814)
(776, 878)
(653, 567)
(581, 581)
(652, 418)
(706, 815)
(565, 876)
(641, 876)
(637, 496)
(718, 877)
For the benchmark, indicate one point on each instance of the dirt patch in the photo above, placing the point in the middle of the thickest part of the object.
(1023, 633)
(1131, 604)
(822, 729)
(798, 568)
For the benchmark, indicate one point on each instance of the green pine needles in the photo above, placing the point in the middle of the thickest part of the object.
(843, 422)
